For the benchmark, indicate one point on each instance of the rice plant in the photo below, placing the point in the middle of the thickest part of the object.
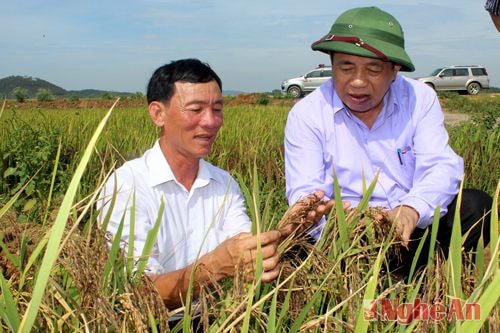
(61, 272)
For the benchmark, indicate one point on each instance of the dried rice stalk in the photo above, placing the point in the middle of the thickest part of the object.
(296, 215)
(294, 222)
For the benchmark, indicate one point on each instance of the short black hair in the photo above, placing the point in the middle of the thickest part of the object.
(162, 84)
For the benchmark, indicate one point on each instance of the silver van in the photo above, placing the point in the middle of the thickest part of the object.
(465, 79)
(298, 86)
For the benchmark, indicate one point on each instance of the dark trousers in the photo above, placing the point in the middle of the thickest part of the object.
(196, 325)
(475, 217)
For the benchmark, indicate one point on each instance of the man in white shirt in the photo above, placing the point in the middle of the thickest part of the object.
(204, 223)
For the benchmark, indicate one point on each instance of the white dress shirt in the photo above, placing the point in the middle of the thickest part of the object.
(407, 147)
(214, 208)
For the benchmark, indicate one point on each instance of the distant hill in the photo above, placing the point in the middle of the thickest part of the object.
(232, 92)
(32, 85)
(94, 93)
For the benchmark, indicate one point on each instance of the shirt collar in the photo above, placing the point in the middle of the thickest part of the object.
(204, 175)
(160, 171)
(390, 102)
(338, 105)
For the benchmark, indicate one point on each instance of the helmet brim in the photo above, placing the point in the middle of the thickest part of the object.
(394, 53)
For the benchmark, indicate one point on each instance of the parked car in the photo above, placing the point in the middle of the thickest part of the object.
(468, 78)
(298, 86)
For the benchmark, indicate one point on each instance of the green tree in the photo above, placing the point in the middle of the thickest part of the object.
(276, 93)
(107, 95)
(137, 95)
(44, 95)
(20, 94)
(263, 99)
(73, 98)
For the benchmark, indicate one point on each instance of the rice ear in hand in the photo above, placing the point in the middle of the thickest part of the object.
(295, 220)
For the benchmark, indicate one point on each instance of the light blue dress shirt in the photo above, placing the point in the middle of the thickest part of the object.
(407, 146)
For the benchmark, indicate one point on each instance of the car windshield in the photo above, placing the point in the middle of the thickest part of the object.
(436, 71)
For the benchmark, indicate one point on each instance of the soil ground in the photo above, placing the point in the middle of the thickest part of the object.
(455, 118)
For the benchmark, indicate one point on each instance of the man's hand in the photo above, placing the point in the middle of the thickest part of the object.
(240, 252)
(305, 213)
(406, 218)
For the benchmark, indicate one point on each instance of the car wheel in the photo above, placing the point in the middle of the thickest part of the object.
(473, 88)
(294, 92)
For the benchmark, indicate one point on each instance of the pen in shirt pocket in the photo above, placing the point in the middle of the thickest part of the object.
(400, 156)
(401, 152)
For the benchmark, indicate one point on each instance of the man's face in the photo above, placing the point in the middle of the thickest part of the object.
(191, 120)
(362, 82)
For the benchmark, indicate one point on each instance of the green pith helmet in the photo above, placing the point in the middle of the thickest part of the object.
(367, 32)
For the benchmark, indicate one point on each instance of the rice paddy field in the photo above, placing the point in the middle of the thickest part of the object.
(59, 275)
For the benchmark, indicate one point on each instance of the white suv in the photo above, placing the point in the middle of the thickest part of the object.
(298, 86)
(470, 79)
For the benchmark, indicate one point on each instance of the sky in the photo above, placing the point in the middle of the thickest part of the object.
(252, 45)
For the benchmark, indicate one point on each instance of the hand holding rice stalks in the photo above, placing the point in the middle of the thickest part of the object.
(376, 228)
(304, 214)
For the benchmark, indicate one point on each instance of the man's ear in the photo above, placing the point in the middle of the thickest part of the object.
(157, 112)
(396, 68)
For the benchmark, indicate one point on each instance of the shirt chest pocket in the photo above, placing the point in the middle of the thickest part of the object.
(406, 159)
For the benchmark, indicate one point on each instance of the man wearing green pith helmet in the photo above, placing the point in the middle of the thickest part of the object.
(371, 124)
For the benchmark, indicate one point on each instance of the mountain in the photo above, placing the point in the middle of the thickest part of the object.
(232, 92)
(94, 93)
(32, 85)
